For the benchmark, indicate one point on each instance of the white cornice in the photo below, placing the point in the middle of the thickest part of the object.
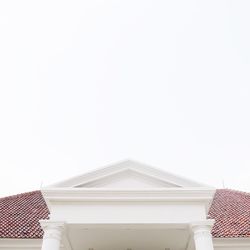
(164, 194)
(184, 195)
(20, 243)
(234, 243)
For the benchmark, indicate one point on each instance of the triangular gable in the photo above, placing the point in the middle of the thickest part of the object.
(127, 174)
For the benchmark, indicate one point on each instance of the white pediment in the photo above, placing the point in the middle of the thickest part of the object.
(127, 193)
(128, 179)
(128, 175)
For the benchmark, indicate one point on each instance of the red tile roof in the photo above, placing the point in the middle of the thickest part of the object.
(231, 211)
(20, 214)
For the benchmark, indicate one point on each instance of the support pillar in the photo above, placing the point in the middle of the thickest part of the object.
(203, 239)
(52, 234)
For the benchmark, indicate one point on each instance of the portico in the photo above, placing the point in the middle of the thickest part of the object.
(128, 206)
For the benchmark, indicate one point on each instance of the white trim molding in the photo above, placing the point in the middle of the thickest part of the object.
(231, 243)
(190, 195)
(35, 244)
(32, 244)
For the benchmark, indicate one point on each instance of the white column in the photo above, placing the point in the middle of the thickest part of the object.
(203, 239)
(52, 234)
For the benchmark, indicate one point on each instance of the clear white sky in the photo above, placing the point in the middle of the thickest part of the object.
(87, 83)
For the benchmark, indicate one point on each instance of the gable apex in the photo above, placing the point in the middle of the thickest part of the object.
(127, 174)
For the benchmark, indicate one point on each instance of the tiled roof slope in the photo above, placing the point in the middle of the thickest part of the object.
(231, 211)
(20, 214)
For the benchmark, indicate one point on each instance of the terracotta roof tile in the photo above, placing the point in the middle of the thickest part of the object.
(231, 211)
(20, 214)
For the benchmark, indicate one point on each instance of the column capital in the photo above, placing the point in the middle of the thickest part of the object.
(52, 229)
(204, 225)
(202, 234)
(50, 224)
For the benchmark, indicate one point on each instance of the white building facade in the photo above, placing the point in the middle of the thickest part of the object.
(128, 206)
